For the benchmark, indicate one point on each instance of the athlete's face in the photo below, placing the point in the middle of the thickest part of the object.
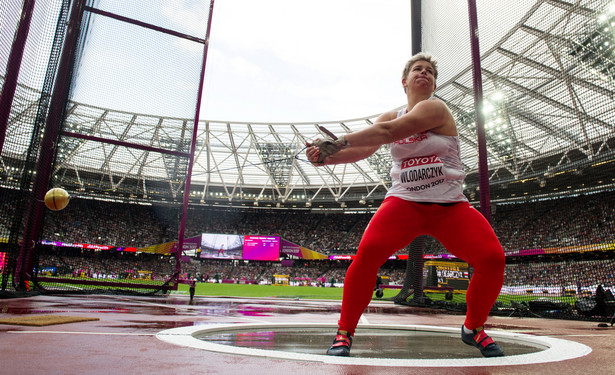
(421, 77)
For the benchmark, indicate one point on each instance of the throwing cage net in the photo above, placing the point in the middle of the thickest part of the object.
(546, 117)
(135, 57)
(119, 141)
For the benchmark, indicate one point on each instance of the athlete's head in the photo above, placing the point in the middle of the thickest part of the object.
(419, 57)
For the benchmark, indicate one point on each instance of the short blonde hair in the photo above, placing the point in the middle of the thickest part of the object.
(421, 56)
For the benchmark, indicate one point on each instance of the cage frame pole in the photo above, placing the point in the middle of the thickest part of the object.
(416, 26)
(413, 279)
(477, 83)
(195, 129)
(36, 206)
(14, 66)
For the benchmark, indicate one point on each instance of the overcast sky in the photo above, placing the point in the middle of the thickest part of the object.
(268, 60)
(312, 60)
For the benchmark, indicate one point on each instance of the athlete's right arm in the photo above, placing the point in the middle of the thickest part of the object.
(350, 154)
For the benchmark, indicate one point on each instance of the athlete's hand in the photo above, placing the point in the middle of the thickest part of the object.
(313, 155)
(325, 147)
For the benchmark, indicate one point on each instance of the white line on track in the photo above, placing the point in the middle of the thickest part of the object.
(84, 333)
(594, 335)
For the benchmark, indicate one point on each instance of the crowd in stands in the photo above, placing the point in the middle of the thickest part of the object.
(100, 266)
(573, 221)
(580, 273)
(577, 274)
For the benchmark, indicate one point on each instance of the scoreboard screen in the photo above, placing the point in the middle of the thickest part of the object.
(261, 248)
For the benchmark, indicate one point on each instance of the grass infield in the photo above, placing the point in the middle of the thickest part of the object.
(310, 292)
(264, 291)
(283, 291)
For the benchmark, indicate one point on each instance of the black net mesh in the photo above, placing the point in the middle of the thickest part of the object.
(28, 65)
(547, 106)
(547, 72)
(135, 57)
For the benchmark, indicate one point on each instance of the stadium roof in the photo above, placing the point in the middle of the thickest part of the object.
(548, 104)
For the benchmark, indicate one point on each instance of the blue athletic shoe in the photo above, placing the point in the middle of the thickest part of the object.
(479, 339)
(341, 345)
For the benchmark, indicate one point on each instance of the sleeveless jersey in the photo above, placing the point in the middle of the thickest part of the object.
(427, 168)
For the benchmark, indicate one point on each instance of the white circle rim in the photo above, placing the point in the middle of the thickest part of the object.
(557, 349)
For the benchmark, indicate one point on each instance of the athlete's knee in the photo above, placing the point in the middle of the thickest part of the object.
(493, 260)
(372, 253)
(489, 257)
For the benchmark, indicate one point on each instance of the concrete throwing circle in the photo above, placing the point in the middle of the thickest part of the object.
(542, 349)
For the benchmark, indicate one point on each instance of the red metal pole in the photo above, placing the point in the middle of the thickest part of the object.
(36, 207)
(13, 66)
(182, 226)
(483, 168)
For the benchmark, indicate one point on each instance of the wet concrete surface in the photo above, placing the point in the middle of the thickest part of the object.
(370, 343)
(123, 340)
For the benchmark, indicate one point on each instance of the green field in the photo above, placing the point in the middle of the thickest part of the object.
(293, 292)
(270, 291)
(281, 291)
(309, 292)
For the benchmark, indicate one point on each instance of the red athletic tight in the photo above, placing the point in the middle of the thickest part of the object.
(460, 228)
